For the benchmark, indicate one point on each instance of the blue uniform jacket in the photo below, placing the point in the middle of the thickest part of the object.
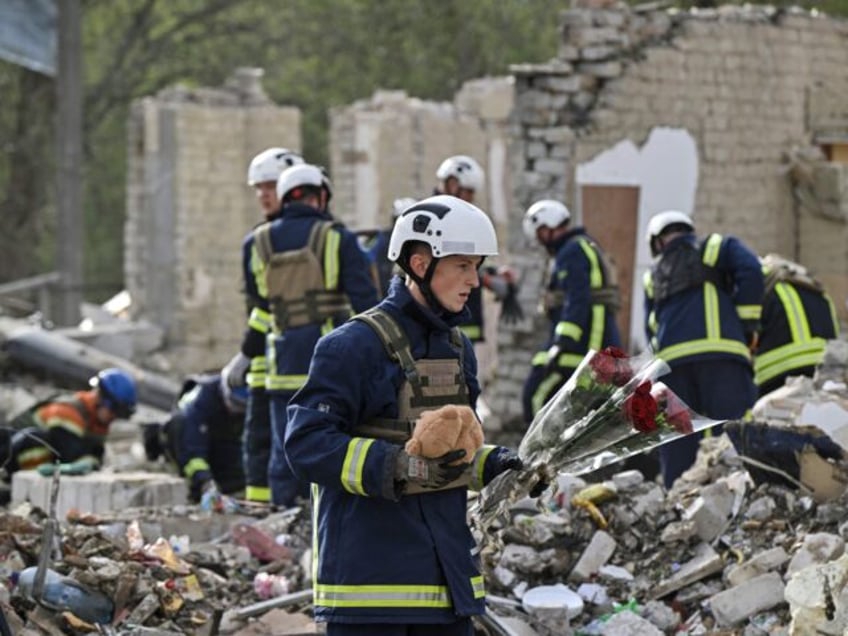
(289, 352)
(708, 322)
(206, 420)
(380, 559)
(579, 325)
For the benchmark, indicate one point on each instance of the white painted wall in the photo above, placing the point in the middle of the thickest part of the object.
(665, 169)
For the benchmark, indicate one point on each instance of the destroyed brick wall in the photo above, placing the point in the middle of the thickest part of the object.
(735, 80)
(188, 208)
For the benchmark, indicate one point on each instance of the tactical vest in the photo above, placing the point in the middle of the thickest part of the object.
(428, 384)
(682, 267)
(297, 293)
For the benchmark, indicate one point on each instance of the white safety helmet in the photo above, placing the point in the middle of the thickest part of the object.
(268, 164)
(544, 213)
(448, 225)
(661, 221)
(465, 170)
(399, 205)
(303, 175)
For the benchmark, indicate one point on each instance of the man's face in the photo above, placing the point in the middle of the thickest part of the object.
(266, 193)
(453, 279)
(451, 186)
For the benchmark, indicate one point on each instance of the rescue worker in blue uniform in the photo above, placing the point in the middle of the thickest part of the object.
(462, 177)
(313, 278)
(798, 319)
(203, 436)
(69, 429)
(703, 304)
(248, 366)
(581, 301)
(394, 554)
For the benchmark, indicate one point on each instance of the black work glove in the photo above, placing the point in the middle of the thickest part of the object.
(429, 473)
(511, 311)
(504, 460)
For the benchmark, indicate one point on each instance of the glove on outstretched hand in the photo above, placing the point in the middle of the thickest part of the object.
(429, 473)
(511, 311)
(234, 373)
(509, 460)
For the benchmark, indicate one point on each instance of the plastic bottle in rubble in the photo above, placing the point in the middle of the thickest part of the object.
(62, 593)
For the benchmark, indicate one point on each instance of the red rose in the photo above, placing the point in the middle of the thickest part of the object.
(677, 413)
(611, 366)
(640, 408)
(613, 352)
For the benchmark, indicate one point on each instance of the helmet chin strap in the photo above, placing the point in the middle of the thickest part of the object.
(424, 285)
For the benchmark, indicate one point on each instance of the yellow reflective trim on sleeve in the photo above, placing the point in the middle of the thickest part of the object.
(258, 370)
(353, 465)
(539, 396)
(34, 456)
(260, 320)
(71, 427)
(478, 584)
(794, 310)
(331, 259)
(257, 493)
(790, 356)
(712, 319)
(653, 325)
(569, 330)
(382, 596)
(540, 359)
(477, 466)
(472, 331)
(275, 382)
(193, 465)
(596, 278)
(648, 283)
(712, 249)
(257, 270)
(749, 312)
(704, 345)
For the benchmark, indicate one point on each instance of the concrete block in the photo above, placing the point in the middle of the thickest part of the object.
(101, 491)
(596, 554)
(751, 597)
(757, 565)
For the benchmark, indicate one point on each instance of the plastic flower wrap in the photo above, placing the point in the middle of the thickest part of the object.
(613, 406)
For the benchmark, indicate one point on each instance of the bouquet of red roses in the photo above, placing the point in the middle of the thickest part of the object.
(612, 407)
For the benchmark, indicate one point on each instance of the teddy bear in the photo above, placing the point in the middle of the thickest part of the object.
(445, 429)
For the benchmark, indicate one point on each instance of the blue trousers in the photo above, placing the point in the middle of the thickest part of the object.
(285, 486)
(257, 444)
(719, 389)
(462, 627)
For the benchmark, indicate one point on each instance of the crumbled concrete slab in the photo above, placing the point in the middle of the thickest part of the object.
(706, 562)
(596, 554)
(742, 601)
(757, 565)
(100, 491)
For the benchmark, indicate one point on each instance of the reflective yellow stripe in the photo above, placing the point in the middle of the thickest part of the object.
(258, 369)
(382, 595)
(257, 269)
(479, 586)
(596, 279)
(571, 360)
(327, 327)
(284, 382)
(353, 465)
(472, 331)
(540, 359)
(67, 425)
(832, 314)
(711, 249)
(712, 321)
(257, 493)
(596, 335)
(331, 259)
(648, 283)
(256, 380)
(539, 397)
(794, 310)
(33, 456)
(790, 356)
(195, 464)
(478, 465)
(653, 326)
(316, 504)
(749, 312)
(704, 345)
(569, 330)
(260, 320)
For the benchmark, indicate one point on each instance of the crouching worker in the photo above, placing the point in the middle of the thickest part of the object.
(202, 437)
(394, 552)
(69, 429)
